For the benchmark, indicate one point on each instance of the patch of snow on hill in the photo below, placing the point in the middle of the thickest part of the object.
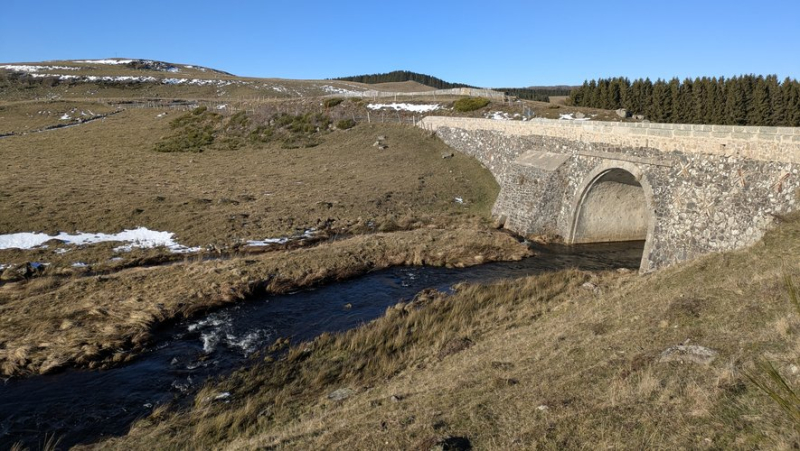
(108, 61)
(415, 108)
(570, 117)
(334, 90)
(137, 238)
(28, 68)
(498, 116)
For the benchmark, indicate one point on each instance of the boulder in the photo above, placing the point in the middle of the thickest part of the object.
(688, 354)
(623, 113)
(341, 394)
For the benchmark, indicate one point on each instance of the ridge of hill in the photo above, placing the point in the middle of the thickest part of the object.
(404, 75)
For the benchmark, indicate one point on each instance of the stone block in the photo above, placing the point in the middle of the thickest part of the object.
(657, 132)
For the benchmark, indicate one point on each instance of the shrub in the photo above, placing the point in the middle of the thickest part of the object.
(330, 103)
(262, 134)
(193, 131)
(192, 139)
(467, 104)
(345, 124)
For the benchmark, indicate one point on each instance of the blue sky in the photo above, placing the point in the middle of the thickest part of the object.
(493, 44)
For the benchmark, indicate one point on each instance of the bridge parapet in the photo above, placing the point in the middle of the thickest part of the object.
(781, 144)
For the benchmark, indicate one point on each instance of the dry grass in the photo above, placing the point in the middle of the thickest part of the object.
(28, 117)
(552, 365)
(104, 177)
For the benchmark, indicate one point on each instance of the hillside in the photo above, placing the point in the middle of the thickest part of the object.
(136, 78)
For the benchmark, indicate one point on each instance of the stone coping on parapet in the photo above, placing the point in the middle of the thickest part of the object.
(780, 144)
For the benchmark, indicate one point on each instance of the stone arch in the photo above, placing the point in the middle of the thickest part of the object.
(614, 203)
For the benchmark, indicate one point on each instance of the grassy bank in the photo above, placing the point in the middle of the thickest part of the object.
(555, 361)
(52, 322)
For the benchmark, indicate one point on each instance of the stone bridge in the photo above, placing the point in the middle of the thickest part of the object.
(686, 190)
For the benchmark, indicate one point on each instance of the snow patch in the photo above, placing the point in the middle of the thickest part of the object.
(570, 117)
(65, 117)
(29, 68)
(106, 61)
(310, 233)
(334, 90)
(498, 116)
(267, 242)
(138, 238)
(415, 108)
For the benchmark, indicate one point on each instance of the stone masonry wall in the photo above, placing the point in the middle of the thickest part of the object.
(703, 196)
(756, 143)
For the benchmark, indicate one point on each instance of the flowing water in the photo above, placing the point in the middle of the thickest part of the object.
(82, 406)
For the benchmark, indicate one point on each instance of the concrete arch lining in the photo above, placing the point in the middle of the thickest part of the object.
(614, 181)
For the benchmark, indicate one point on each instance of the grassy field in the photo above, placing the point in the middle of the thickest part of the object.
(104, 177)
(567, 360)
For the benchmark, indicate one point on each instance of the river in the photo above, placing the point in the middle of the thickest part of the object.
(83, 406)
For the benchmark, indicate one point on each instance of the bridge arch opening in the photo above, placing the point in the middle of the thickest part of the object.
(615, 204)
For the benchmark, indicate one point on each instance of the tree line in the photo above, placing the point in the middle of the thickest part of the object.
(741, 100)
(404, 75)
(538, 94)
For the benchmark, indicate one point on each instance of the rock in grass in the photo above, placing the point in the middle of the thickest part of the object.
(341, 394)
(688, 354)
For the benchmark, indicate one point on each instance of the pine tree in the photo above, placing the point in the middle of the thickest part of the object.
(760, 111)
(700, 99)
(735, 103)
(718, 104)
(776, 106)
(791, 89)
(661, 107)
(673, 110)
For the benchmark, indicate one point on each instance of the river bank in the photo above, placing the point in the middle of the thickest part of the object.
(99, 321)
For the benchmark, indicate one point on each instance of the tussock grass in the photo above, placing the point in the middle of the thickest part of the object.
(553, 363)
